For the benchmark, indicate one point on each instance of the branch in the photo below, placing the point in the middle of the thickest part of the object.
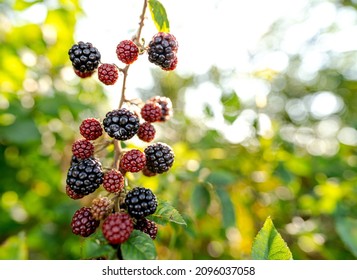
(136, 40)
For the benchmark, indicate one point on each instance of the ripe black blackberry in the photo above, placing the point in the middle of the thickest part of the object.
(82, 149)
(146, 132)
(121, 124)
(159, 157)
(127, 51)
(91, 129)
(140, 202)
(83, 222)
(84, 57)
(162, 51)
(151, 112)
(85, 176)
(101, 207)
(73, 194)
(147, 226)
(166, 106)
(108, 74)
(117, 228)
(113, 181)
(133, 161)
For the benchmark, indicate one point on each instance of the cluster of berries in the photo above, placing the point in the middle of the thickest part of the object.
(85, 174)
(85, 58)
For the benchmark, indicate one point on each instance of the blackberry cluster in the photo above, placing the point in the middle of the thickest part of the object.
(162, 51)
(85, 58)
(140, 202)
(159, 157)
(85, 177)
(120, 211)
(121, 124)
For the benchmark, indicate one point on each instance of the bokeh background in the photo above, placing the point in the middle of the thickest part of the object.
(264, 123)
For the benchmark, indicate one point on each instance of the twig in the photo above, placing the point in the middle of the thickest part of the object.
(117, 147)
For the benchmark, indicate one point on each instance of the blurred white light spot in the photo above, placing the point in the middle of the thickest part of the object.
(28, 57)
(36, 13)
(328, 128)
(296, 110)
(192, 165)
(18, 214)
(324, 104)
(348, 136)
(265, 126)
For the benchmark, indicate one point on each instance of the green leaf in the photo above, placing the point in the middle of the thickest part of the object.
(200, 200)
(165, 213)
(269, 245)
(220, 178)
(231, 106)
(228, 212)
(96, 246)
(347, 229)
(159, 16)
(139, 246)
(22, 131)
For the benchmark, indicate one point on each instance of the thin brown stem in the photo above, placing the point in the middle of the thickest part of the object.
(117, 153)
(141, 24)
(123, 98)
(117, 148)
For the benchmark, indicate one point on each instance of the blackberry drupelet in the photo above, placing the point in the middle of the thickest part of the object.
(73, 194)
(140, 202)
(83, 75)
(101, 207)
(83, 222)
(117, 228)
(159, 157)
(147, 226)
(82, 149)
(108, 74)
(127, 51)
(146, 132)
(91, 129)
(146, 172)
(162, 51)
(84, 57)
(166, 106)
(133, 161)
(113, 181)
(85, 176)
(121, 124)
(151, 112)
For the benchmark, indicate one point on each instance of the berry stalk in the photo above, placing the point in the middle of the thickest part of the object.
(136, 40)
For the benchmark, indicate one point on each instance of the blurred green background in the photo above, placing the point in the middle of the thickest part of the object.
(289, 154)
